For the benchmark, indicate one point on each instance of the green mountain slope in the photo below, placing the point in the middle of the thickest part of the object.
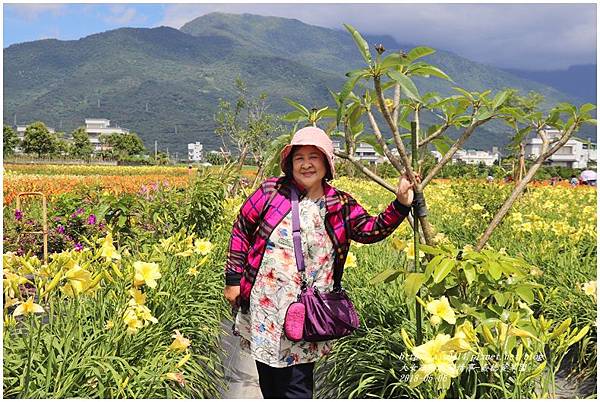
(165, 83)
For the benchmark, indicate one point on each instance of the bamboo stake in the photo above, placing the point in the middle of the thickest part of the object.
(415, 161)
(44, 219)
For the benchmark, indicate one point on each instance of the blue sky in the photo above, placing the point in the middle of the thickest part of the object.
(528, 36)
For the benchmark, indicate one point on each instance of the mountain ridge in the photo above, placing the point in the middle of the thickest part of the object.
(161, 81)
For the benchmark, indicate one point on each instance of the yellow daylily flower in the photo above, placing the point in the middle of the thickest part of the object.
(520, 333)
(131, 320)
(434, 359)
(202, 246)
(11, 283)
(441, 308)
(138, 298)
(192, 271)
(398, 244)
(109, 324)
(108, 249)
(185, 253)
(180, 344)
(350, 260)
(440, 238)
(146, 272)
(9, 302)
(78, 278)
(178, 377)
(27, 308)
(145, 314)
(466, 331)
(535, 271)
(589, 288)
(457, 344)
(477, 208)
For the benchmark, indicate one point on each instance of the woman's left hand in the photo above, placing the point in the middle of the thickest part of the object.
(404, 192)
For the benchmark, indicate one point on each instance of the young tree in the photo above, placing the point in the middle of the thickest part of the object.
(9, 141)
(63, 146)
(124, 145)
(247, 125)
(161, 158)
(39, 140)
(466, 111)
(81, 146)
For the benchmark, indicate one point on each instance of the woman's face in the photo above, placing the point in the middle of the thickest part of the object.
(309, 166)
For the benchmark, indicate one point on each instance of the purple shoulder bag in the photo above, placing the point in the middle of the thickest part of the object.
(317, 316)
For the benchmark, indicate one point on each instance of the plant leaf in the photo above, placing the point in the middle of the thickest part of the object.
(418, 52)
(361, 43)
(413, 283)
(297, 106)
(525, 293)
(499, 99)
(430, 70)
(442, 270)
(430, 250)
(394, 59)
(384, 276)
(406, 84)
(294, 116)
(465, 93)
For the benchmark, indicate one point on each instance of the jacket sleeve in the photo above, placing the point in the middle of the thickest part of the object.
(242, 236)
(365, 228)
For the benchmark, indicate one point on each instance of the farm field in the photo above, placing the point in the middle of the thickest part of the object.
(130, 306)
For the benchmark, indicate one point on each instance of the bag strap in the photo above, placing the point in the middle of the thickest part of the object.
(337, 273)
(296, 231)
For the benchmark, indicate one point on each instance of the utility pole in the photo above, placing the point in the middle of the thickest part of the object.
(155, 148)
(15, 120)
(146, 106)
(98, 103)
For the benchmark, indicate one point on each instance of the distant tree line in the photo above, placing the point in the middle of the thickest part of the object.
(39, 141)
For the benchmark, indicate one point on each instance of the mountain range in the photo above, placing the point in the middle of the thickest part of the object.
(165, 84)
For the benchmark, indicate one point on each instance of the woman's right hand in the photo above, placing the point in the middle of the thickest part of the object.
(232, 294)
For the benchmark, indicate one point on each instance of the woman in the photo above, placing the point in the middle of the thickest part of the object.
(261, 273)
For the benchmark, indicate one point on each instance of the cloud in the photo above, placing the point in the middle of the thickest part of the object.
(122, 15)
(31, 12)
(528, 36)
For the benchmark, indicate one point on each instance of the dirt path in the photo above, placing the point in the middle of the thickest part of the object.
(240, 369)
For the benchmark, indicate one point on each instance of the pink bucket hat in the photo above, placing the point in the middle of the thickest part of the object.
(310, 136)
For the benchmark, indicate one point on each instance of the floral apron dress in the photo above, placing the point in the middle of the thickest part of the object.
(277, 285)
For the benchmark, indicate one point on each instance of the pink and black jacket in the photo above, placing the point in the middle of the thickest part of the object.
(345, 220)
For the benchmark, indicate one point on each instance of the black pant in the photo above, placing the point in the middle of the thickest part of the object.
(292, 382)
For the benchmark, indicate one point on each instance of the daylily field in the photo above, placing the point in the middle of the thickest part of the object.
(129, 304)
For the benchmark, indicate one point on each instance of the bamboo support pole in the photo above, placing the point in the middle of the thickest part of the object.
(44, 230)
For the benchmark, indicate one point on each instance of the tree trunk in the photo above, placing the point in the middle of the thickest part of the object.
(521, 184)
(259, 174)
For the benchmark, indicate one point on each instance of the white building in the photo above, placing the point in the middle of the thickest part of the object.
(576, 153)
(97, 127)
(366, 152)
(363, 152)
(195, 152)
(474, 157)
(21, 131)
